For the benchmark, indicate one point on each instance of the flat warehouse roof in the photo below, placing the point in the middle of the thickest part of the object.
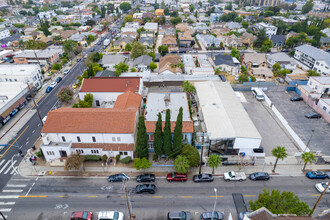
(224, 115)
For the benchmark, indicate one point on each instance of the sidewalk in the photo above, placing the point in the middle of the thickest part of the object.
(288, 167)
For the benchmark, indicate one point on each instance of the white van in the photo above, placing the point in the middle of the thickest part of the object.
(258, 94)
(110, 215)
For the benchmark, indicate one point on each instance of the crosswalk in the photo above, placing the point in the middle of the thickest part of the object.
(8, 167)
(10, 193)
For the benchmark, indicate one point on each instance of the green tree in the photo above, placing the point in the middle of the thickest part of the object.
(181, 164)
(120, 68)
(312, 73)
(191, 153)
(142, 139)
(138, 49)
(125, 6)
(140, 30)
(44, 25)
(243, 78)
(175, 20)
(152, 55)
(142, 163)
(307, 157)
(283, 72)
(266, 46)
(133, 70)
(65, 94)
(191, 8)
(280, 153)
(87, 102)
(163, 50)
(167, 11)
(217, 71)
(308, 6)
(167, 138)
(158, 136)
(277, 67)
(243, 69)
(214, 161)
(152, 66)
(128, 47)
(280, 203)
(188, 87)
(177, 139)
(90, 38)
(235, 53)
(74, 161)
(128, 18)
(261, 37)
(245, 24)
(238, 19)
(57, 66)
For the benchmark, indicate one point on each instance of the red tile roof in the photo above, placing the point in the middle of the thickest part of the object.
(105, 146)
(90, 120)
(187, 126)
(128, 100)
(110, 84)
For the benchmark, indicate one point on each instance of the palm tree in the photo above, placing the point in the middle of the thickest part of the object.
(280, 153)
(214, 161)
(307, 157)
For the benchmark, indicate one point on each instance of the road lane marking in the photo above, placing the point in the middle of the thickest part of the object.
(12, 185)
(5, 210)
(186, 197)
(63, 196)
(4, 167)
(26, 143)
(27, 138)
(125, 197)
(7, 203)
(157, 197)
(249, 195)
(14, 141)
(12, 190)
(2, 162)
(33, 131)
(32, 196)
(315, 194)
(9, 197)
(216, 196)
(93, 196)
(29, 189)
(11, 166)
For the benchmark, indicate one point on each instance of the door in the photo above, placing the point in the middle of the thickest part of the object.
(63, 153)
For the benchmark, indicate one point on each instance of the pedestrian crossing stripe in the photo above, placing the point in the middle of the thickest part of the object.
(7, 167)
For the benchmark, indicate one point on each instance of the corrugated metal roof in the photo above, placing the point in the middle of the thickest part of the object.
(315, 53)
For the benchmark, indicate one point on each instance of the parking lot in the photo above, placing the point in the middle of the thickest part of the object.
(294, 113)
(268, 125)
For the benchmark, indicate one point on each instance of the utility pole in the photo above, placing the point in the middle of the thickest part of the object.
(128, 206)
(35, 104)
(320, 197)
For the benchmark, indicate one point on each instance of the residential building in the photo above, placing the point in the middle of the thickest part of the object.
(270, 29)
(171, 42)
(315, 59)
(278, 40)
(201, 28)
(142, 62)
(4, 33)
(159, 12)
(159, 103)
(296, 79)
(147, 41)
(185, 39)
(46, 14)
(151, 26)
(169, 64)
(137, 15)
(92, 131)
(121, 42)
(233, 25)
(198, 65)
(232, 41)
(254, 60)
(248, 39)
(264, 2)
(25, 73)
(325, 41)
(105, 90)
(130, 27)
(227, 64)
(167, 29)
(319, 85)
(283, 59)
(262, 73)
(324, 104)
(229, 127)
(129, 34)
(208, 40)
(215, 17)
(109, 61)
(42, 57)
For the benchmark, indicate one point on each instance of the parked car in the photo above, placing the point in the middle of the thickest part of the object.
(147, 177)
(58, 79)
(53, 84)
(120, 177)
(285, 50)
(79, 59)
(93, 49)
(50, 73)
(145, 188)
(257, 93)
(321, 186)
(280, 80)
(316, 175)
(208, 215)
(204, 177)
(49, 89)
(222, 77)
(258, 150)
(66, 71)
(126, 53)
(110, 215)
(313, 115)
(176, 177)
(84, 215)
(182, 215)
(74, 85)
(259, 176)
(296, 99)
(232, 175)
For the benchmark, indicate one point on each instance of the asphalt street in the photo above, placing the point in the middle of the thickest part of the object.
(57, 198)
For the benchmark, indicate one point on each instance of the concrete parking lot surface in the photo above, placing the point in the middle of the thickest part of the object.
(272, 133)
(294, 113)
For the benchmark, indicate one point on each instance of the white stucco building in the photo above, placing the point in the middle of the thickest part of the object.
(269, 28)
(4, 33)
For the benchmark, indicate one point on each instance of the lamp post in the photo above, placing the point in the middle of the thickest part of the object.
(215, 202)
(309, 141)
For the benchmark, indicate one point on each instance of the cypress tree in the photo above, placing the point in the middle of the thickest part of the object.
(142, 139)
(167, 147)
(158, 136)
(177, 140)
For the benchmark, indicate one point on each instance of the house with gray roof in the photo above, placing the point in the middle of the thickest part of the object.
(147, 41)
(142, 62)
(208, 40)
(109, 61)
(278, 40)
(325, 41)
(226, 63)
(233, 25)
(283, 59)
(314, 58)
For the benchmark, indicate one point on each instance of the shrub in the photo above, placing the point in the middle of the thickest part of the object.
(104, 158)
(40, 154)
(75, 106)
(117, 157)
(155, 157)
(92, 157)
(126, 160)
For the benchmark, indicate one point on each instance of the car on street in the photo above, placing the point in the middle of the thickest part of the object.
(176, 177)
(236, 176)
(296, 99)
(58, 79)
(208, 215)
(120, 177)
(258, 150)
(74, 85)
(84, 215)
(285, 50)
(321, 186)
(49, 89)
(222, 77)
(50, 73)
(105, 215)
(204, 177)
(313, 115)
(79, 59)
(182, 215)
(316, 175)
(280, 80)
(259, 176)
(53, 84)
(146, 188)
(93, 49)
(66, 71)
(147, 177)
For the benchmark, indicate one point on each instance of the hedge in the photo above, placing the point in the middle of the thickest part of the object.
(92, 157)
(126, 160)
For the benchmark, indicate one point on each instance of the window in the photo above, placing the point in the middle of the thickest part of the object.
(317, 63)
(118, 139)
(78, 139)
(80, 151)
(15, 80)
(125, 153)
(63, 138)
(95, 151)
(113, 138)
(121, 153)
(94, 139)
(324, 108)
(97, 103)
(50, 153)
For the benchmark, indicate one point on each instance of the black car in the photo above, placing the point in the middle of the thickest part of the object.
(285, 50)
(118, 177)
(58, 79)
(183, 215)
(259, 176)
(147, 177)
(223, 78)
(296, 99)
(204, 177)
(208, 215)
(79, 59)
(145, 188)
(258, 150)
(313, 115)
(93, 49)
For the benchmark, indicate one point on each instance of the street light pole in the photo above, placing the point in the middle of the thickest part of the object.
(320, 197)
(200, 164)
(215, 202)
(307, 145)
(34, 102)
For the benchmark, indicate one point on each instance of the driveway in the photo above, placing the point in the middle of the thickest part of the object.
(269, 127)
(294, 113)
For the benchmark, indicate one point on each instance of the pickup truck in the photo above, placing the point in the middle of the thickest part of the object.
(232, 175)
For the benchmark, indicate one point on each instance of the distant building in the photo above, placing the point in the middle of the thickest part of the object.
(42, 57)
(4, 33)
(283, 59)
(270, 29)
(46, 14)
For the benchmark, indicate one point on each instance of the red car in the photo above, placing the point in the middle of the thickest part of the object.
(126, 53)
(82, 215)
(176, 177)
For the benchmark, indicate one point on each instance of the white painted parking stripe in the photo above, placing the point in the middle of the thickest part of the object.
(9, 197)
(7, 203)
(2, 162)
(5, 210)
(12, 190)
(12, 185)
(4, 167)
(15, 161)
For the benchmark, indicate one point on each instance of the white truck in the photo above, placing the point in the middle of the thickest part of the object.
(232, 175)
(110, 215)
(106, 43)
